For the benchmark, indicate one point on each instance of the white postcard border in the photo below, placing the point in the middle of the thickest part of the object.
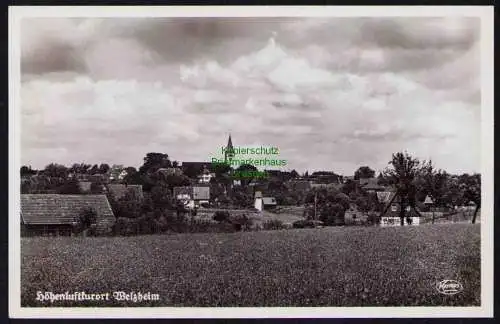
(484, 12)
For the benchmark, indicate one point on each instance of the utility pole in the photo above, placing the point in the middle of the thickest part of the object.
(315, 204)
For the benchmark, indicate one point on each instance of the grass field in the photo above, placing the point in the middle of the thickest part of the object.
(365, 266)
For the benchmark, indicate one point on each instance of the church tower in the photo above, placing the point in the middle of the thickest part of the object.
(229, 153)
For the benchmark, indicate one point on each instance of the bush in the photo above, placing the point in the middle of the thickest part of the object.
(273, 224)
(88, 216)
(242, 222)
(221, 216)
(125, 226)
(307, 223)
(86, 222)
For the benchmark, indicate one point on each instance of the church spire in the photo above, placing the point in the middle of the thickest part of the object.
(229, 154)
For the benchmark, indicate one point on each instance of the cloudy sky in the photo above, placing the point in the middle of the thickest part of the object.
(331, 93)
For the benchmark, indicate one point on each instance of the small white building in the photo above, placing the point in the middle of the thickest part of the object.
(258, 200)
(262, 203)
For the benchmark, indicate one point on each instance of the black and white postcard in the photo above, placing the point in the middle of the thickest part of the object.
(180, 162)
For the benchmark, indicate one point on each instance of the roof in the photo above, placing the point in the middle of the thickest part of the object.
(118, 190)
(268, 201)
(385, 196)
(391, 213)
(55, 209)
(258, 194)
(201, 193)
(428, 200)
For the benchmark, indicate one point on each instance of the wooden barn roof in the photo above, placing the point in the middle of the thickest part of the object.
(55, 209)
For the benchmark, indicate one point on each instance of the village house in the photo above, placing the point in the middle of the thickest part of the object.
(391, 217)
(53, 214)
(117, 172)
(192, 196)
(264, 203)
(206, 176)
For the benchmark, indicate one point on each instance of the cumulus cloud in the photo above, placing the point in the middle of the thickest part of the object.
(330, 93)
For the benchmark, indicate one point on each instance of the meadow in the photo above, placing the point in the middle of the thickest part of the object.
(332, 266)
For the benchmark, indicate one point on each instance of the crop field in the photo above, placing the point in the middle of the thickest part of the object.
(351, 266)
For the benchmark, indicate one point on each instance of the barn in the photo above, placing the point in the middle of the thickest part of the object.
(54, 214)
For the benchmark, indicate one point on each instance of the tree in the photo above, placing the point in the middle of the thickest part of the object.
(133, 176)
(403, 171)
(103, 168)
(55, 170)
(26, 170)
(88, 217)
(350, 187)
(94, 169)
(176, 180)
(383, 180)
(81, 168)
(221, 169)
(330, 205)
(128, 206)
(294, 174)
(242, 198)
(471, 190)
(86, 220)
(96, 188)
(433, 183)
(191, 171)
(70, 187)
(244, 168)
(364, 172)
(161, 197)
(155, 161)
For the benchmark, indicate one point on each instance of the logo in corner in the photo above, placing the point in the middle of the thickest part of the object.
(449, 287)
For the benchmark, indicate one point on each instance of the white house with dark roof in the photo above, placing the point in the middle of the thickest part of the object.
(262, 203)
(391, 216)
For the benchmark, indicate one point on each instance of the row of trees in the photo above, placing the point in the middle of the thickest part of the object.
(413, 179)
(56, 170)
